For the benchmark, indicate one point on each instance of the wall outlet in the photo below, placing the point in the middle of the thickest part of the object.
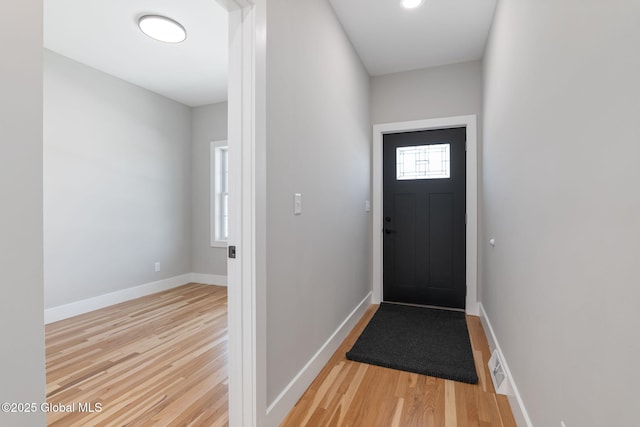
(156, 267)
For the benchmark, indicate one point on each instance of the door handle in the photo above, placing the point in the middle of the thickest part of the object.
(389, 231)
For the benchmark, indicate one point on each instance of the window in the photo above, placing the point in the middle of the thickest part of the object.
(423, 162)
(219, 193)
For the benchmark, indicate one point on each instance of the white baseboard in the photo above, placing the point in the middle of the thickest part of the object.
(209, 279)
(515, 400)
(472, 308)
(292, 392)
(65, 311)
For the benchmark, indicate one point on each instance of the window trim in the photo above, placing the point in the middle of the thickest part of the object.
(215, 179)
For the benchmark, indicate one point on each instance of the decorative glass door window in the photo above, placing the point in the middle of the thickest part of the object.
(423, 162)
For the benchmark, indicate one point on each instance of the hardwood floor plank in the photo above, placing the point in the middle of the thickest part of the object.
(450, 415)
(505, 411)
(397, 414)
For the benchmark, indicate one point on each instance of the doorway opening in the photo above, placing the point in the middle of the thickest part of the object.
(471, 198)
(151, 194)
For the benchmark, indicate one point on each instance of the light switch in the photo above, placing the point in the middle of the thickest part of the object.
(297, 204)
(367, 206)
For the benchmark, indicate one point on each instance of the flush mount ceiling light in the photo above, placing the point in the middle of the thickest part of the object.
(162, 28)
(411, 4)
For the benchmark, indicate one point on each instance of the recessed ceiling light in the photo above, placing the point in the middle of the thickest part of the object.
(411, 4)
(162, 28)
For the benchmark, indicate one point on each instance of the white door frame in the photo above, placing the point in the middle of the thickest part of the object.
(246, 299)
(472, 198)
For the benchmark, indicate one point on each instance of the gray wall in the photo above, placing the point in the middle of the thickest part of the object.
(117, 183)
(208, 123)
(429, 93)
(561, 198)
(450, 90)
(318, 144)
(21, 305)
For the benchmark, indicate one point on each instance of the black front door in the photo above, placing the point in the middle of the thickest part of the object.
(424, 208)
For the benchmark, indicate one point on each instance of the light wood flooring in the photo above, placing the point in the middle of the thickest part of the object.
(348, 393)
(160, 360)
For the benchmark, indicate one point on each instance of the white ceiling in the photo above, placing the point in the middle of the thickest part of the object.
(103, 34)
(389, 38)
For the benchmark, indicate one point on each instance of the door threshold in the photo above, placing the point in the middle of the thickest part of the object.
(426, 306)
